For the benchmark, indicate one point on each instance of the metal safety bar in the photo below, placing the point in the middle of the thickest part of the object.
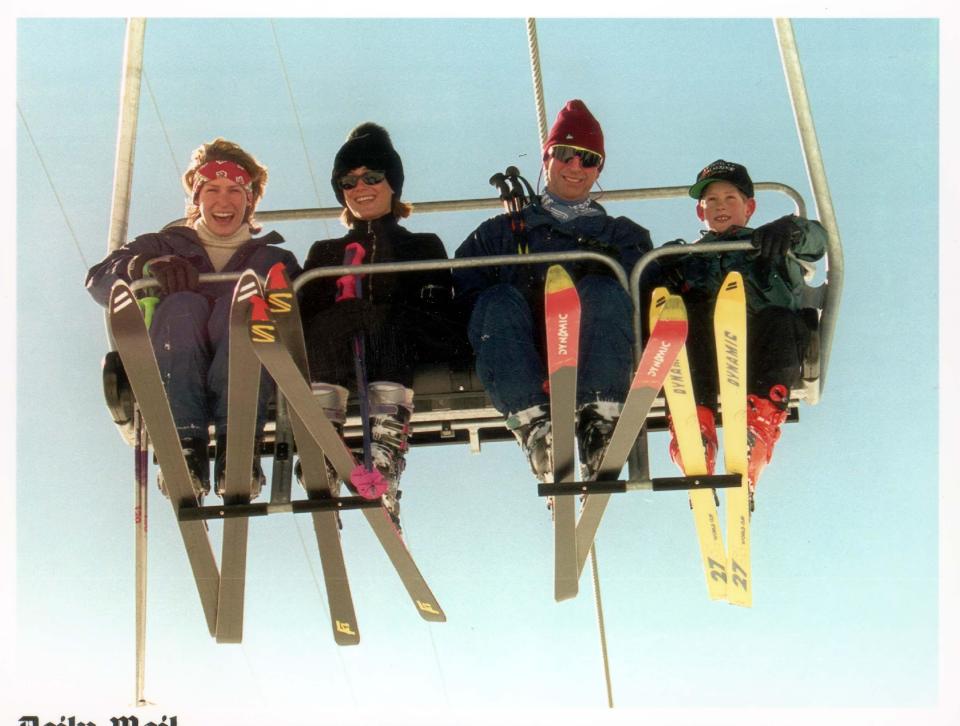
(464, 262)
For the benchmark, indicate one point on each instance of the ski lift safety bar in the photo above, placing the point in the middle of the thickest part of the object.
(632, 285)
(825, 297)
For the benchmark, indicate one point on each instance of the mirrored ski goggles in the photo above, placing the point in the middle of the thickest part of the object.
(349, 181)
(565, 154)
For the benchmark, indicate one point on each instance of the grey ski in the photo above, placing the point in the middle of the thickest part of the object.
(277, 360)
(133, 344)
(343, 620)
(242, 384)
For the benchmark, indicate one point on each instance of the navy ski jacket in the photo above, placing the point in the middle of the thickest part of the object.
(618, 237)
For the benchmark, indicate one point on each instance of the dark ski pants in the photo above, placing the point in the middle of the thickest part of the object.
(509, 345)
(777, 340)
(190, 338)
(389, 347)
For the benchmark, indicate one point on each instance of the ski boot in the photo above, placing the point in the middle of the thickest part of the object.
(257, 479)
(198, 464)
(708, 435)
(391, 407)
(595, 424)
(764, 418)
(333, 400)
(532, 429)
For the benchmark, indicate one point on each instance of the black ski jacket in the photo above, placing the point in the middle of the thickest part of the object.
(421, 303)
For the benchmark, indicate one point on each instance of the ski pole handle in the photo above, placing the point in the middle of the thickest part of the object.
(499, 181)
(513, 173)
(348, 286)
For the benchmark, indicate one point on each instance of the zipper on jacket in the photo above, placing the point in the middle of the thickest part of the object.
(372, 237)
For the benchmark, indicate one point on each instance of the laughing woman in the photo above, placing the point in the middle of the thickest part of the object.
(224, 184)
(406, 318)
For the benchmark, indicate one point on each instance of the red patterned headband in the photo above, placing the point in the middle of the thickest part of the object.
(221, 170)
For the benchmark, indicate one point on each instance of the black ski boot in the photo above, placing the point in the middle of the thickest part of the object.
(533, 432)
(198, 464)
(595, 424)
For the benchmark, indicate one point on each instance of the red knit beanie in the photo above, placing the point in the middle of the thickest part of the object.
(576, 126)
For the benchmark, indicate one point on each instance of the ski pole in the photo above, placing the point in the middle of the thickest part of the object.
(499, 181)
(367, 480)
(514, 174)
(516, 190)
(509, 199)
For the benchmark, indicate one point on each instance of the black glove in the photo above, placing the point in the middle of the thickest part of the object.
(669, 272)
(588, 244)
(580, 270)
(776, 238)
(354, 315)
(175, 274)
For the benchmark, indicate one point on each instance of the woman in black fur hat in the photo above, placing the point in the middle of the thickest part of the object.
(405, 318)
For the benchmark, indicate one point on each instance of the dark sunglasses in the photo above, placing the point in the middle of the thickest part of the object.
(349, 181)
(565, 154)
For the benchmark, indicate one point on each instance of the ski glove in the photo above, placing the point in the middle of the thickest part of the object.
(175, 274)
(435, 294)
(776, 238)
(355, 315)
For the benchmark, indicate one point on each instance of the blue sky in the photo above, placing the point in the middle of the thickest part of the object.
(847, 563)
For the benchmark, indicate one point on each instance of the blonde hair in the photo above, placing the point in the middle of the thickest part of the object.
(222, 150)
(400, 210)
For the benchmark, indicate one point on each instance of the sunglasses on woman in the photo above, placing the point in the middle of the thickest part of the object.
(349, 181)
(565, 154)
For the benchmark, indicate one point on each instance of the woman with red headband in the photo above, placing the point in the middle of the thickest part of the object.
(224, 184)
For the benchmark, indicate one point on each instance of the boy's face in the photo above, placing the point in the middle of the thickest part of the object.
(723, 206)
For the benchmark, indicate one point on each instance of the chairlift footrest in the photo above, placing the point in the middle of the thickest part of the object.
(660, 484)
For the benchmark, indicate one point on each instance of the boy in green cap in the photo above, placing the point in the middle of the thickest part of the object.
(778, 336)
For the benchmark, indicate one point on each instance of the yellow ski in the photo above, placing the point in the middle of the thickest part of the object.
(683, 409)
(730, 330)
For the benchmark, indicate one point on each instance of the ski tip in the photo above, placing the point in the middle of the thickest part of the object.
(258, 309)
(659, 297)
(658, 300)
(558, 279)
(733, 281)
(248, 284)
(431, 611)
(673, 309)
(277, 276)
(345, 632)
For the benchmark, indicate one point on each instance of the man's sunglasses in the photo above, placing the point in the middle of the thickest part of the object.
(349, 181)
(565, 154)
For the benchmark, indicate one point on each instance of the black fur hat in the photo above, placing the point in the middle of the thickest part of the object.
(368, 145)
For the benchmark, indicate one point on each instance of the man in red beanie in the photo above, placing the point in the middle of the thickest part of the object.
(506, 323)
